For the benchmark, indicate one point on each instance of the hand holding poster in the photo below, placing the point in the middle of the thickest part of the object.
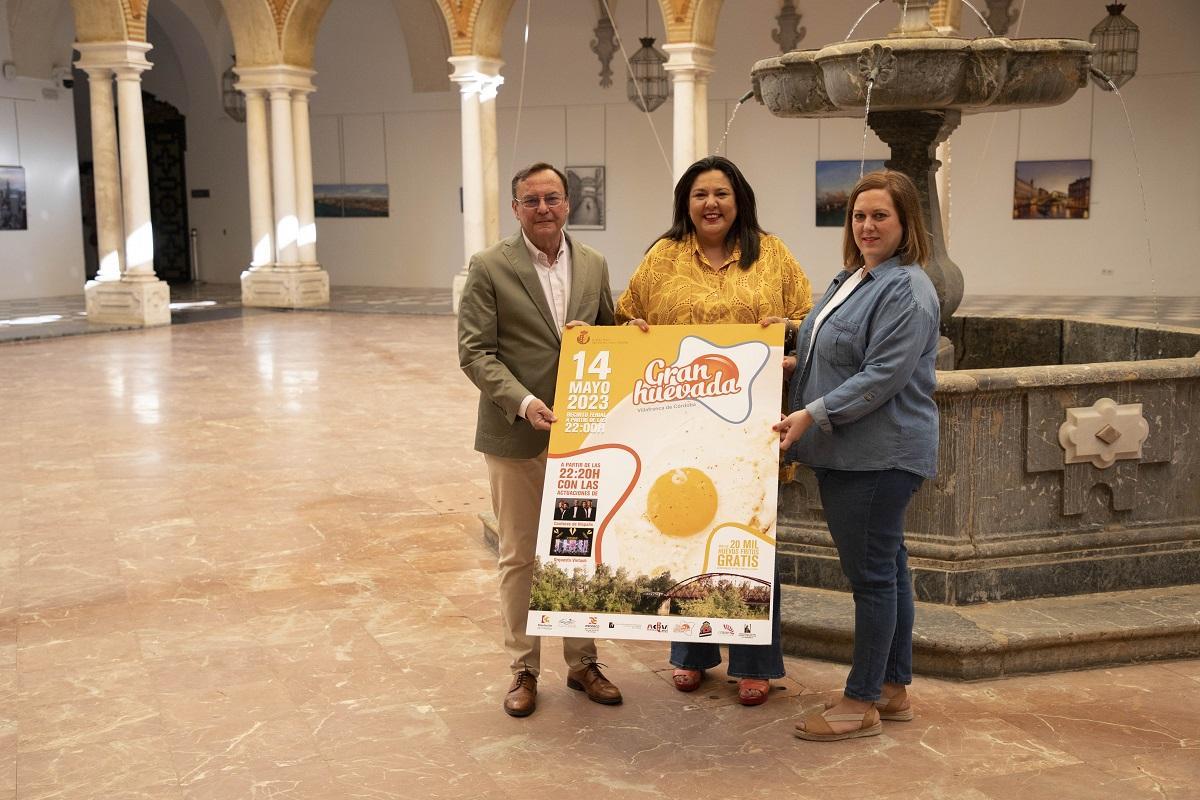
(658, 514)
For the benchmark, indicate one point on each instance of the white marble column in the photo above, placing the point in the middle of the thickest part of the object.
(478, 80)
(258, 160)
(106, 176)
(491, 160)
(306, 235)
(689, 65)
(283, 180)
(138, 297)
(135, 176)
(284, 272)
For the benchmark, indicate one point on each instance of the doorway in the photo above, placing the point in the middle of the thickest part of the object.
(166, 148)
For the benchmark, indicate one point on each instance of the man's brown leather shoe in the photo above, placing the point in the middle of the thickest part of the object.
(590, 679)
(521, 699)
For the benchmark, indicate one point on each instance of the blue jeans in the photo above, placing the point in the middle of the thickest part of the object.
(865, 513)
(745, 660)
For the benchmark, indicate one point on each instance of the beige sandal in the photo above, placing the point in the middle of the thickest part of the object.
(889, 708)
(816, 726)
(895, 708)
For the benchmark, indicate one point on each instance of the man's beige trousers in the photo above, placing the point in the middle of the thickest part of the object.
(517, 499)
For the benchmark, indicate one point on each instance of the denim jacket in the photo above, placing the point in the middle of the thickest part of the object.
(869, 382)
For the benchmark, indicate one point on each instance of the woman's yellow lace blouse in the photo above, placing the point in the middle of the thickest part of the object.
(675, 285)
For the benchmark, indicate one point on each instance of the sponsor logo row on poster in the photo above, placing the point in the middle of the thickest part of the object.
(632, 626)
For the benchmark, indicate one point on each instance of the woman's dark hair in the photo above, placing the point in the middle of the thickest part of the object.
(744, 231)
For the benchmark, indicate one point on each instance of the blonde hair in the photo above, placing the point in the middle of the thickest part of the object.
(914, 245)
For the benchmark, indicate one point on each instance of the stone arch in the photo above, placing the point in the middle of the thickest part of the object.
(299, 23)
(427, 53)
(108, 20)
(34, 29)
(271, 32)
(475, 27)
(691, 21)
(192, 28)
(255, 31)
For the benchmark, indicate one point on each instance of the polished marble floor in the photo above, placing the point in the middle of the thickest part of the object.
(242, 560)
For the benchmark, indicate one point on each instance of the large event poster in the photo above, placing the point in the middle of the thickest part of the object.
(658, 514)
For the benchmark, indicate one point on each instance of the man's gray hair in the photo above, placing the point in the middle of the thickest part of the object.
(540, 166)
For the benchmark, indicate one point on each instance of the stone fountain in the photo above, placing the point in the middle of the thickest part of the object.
(1069, 467)
(917, 84)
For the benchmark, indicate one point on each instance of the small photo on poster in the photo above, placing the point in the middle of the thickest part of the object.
(574, 509)
(571, 541)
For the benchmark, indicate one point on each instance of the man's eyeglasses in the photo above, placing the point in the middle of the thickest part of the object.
(551, 201)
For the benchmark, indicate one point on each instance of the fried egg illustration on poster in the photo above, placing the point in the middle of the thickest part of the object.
(662, 482)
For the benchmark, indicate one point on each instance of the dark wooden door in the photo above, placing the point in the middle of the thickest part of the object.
(166, 145)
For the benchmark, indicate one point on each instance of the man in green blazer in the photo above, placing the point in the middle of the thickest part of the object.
(519, 295)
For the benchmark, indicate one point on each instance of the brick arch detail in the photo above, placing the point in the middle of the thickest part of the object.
(299, 21)
(476, 27)
(691, 21)
(100, 20)
(255, 26)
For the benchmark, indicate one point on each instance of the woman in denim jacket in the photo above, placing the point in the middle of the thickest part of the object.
(864, 419)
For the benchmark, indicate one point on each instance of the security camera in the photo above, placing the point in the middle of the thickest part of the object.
(62, 76)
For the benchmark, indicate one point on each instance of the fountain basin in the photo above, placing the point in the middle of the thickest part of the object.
(1042, 72)
(792, 85)
(1008, 518)
(928, 73)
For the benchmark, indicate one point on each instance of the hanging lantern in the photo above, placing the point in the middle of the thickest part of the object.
(233, 101)
(647, 73)
(1116, 40)
(648, 86)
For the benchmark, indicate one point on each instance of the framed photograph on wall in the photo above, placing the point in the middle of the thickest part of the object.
(1053, 189)
(13, 215)
(585, 186)
(835, 181)
(350, 199)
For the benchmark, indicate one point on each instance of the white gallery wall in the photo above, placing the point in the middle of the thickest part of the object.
(372, 128)
(37, 132)
(369, 126)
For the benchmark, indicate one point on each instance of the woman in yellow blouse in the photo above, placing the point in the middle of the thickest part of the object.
(716, 265)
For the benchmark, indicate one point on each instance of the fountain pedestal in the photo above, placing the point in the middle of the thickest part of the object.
(913, 137)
